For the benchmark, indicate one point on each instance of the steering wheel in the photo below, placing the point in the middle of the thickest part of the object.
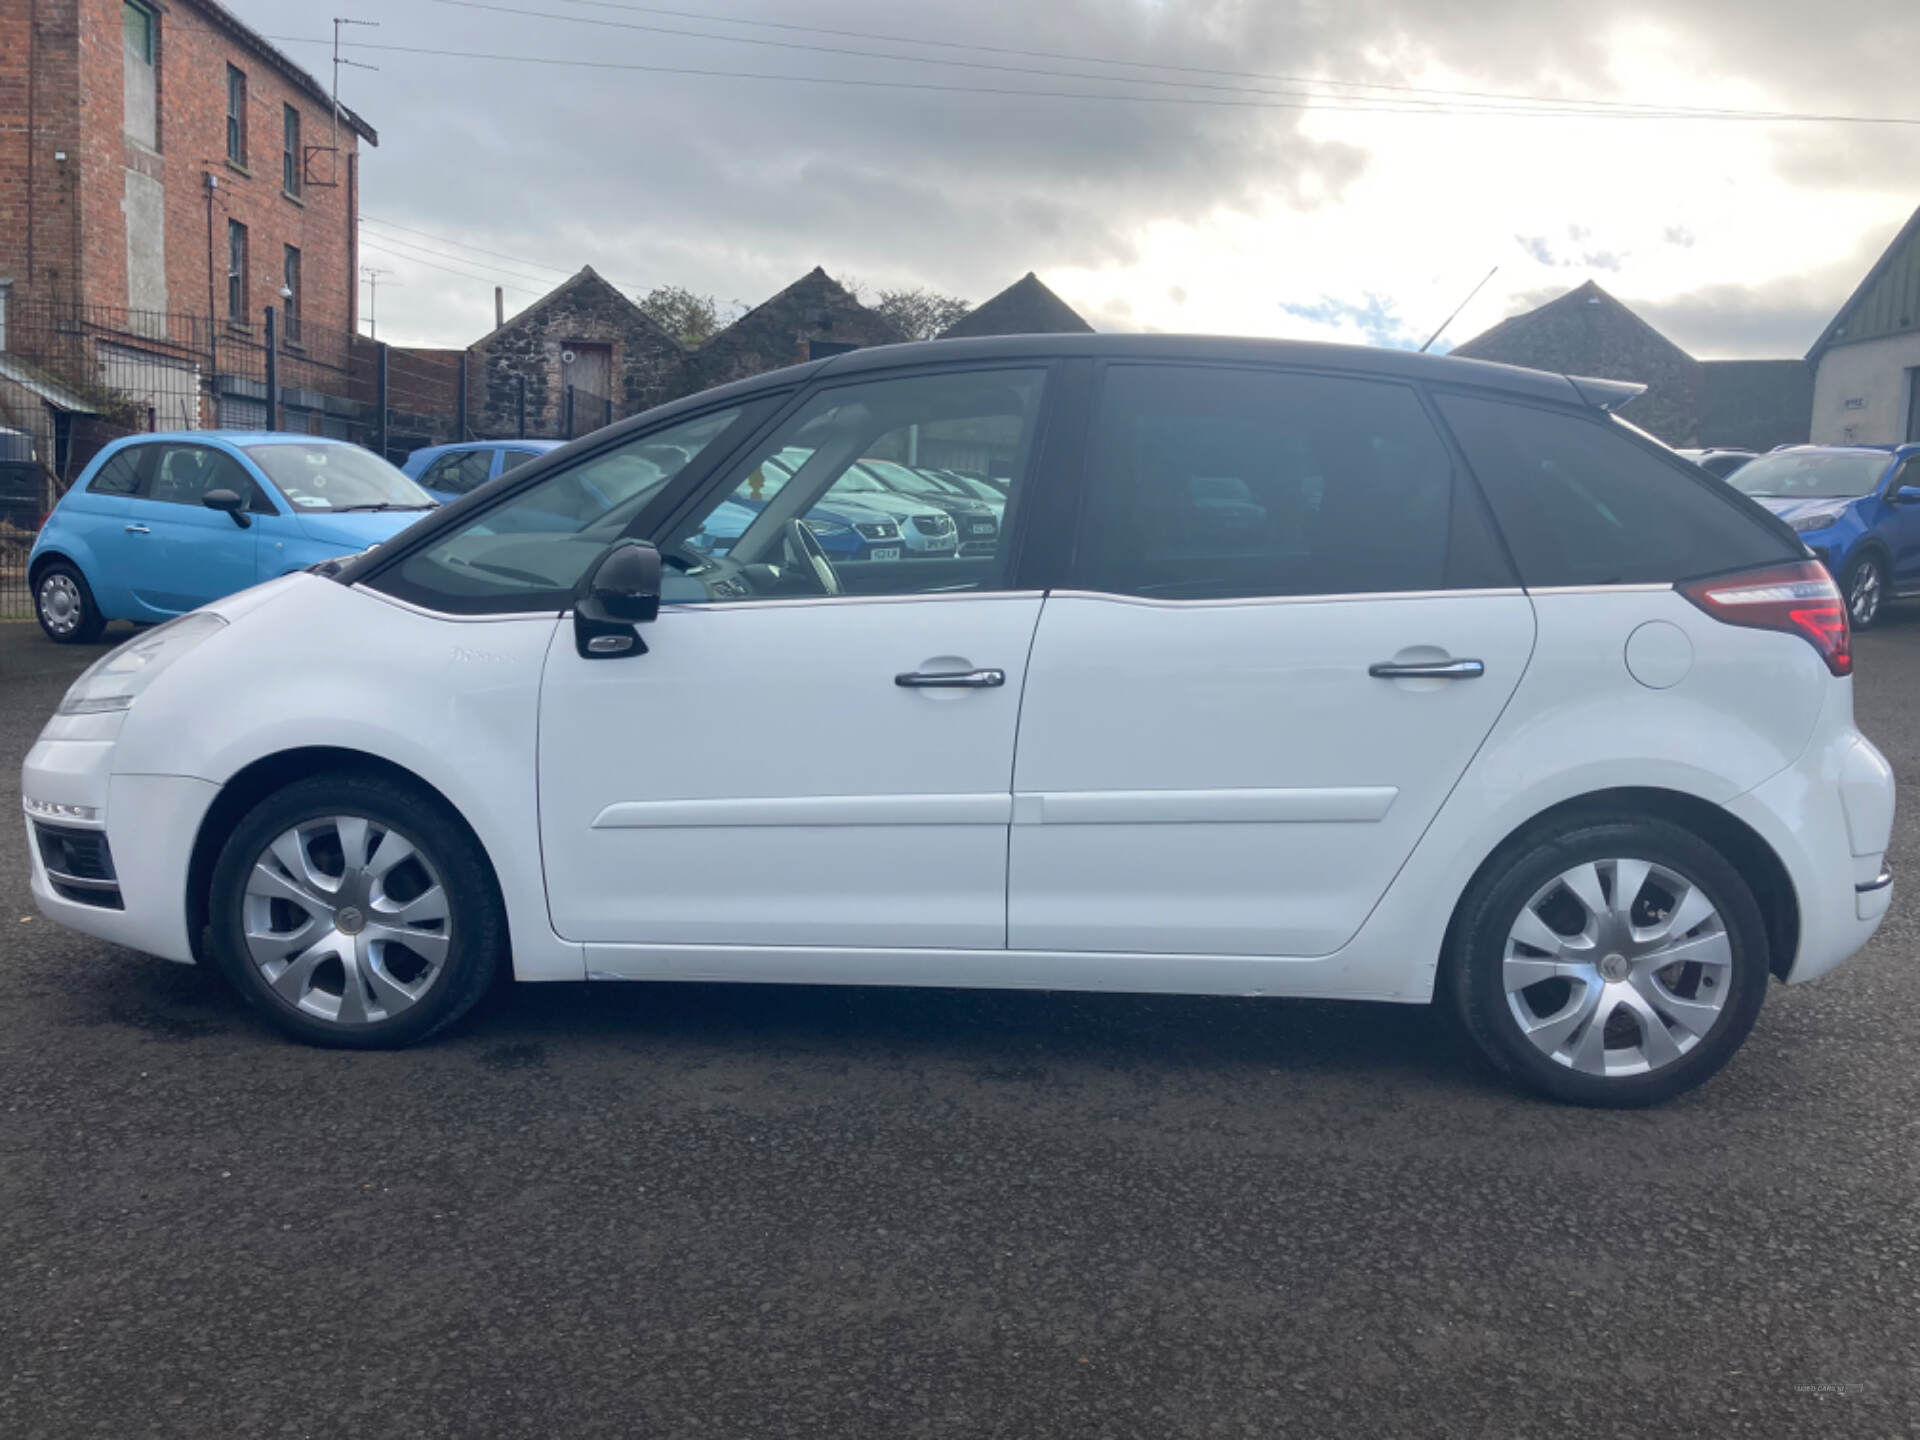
(800, 550)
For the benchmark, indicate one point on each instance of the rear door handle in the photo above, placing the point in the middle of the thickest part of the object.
(1428, 670)
(137, 530)
(952, 680)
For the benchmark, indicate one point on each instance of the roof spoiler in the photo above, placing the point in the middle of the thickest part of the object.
(1608, 395)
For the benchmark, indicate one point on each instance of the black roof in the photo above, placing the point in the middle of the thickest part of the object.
(1026, 307)
(1223, 349)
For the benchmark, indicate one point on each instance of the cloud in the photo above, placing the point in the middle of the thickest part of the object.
(735, 187)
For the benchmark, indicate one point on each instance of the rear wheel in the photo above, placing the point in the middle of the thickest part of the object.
(356, 911)
(1618, 962)
(64, 605)
(1866, 589)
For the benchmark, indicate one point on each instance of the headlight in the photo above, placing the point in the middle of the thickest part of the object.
(1819, 520)
(828, 528)
(111, 682)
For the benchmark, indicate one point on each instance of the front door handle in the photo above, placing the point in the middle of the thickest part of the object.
(137, 530)
(952, 680)
(1428, 670)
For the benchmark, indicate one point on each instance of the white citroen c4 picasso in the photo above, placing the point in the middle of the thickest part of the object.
(1472, 691)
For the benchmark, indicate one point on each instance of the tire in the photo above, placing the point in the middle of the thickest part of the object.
(281, 876)
(1865, 587)
(1652, 1030)
(63, 603)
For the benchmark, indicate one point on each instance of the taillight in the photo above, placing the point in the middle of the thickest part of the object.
(1799, 599)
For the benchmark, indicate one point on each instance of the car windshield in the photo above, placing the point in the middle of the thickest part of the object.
(337, 477)
(900, 477)
(1811, 475)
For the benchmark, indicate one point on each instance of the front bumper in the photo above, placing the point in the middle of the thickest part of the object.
(150, 823)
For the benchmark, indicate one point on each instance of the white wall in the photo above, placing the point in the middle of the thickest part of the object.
(1861, 392)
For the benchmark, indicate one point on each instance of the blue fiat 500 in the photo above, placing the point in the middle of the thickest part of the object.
(1858, 509)
(161, 524)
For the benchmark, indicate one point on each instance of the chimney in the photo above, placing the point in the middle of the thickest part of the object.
(499, 307)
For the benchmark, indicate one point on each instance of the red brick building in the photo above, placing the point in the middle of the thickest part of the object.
(161, 160)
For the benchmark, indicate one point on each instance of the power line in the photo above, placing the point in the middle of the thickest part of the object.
(414, 247)
(463, 274)
(1323, 103)
(1031, 54)
(916, 59)
(482, 250)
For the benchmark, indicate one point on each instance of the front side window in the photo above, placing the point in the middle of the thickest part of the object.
(236, 272)
(291, 169)
(236, 115)
(458, 472)
(321, 478)
(1222, 484)
(1581, 503)
(528, 552)
(830, 503)
(187, 474)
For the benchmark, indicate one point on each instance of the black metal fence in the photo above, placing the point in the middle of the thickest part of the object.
(74, 377)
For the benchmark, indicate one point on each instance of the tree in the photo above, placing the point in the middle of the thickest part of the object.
(691, 319)
(922, 313)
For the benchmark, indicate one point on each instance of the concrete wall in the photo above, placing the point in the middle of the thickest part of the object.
(1862, 392)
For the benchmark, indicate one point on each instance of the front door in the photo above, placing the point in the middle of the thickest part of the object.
(811, 752)
(180, 554)
(1290, 631)
(1901, 527)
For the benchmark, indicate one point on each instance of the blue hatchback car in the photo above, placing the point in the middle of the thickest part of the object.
(161, 524)
(1858, 509)
(447, 472)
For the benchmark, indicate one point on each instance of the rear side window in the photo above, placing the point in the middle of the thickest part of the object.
(121, 474)
(1214, 483)
(1582, 504)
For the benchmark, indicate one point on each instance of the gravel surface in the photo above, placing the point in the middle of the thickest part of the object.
(710, 1211)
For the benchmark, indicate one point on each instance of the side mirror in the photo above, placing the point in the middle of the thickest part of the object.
(231, 502)
(621, 591)
(1907, 495)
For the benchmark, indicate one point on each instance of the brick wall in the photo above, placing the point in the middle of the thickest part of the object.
(811, 314)
(75, 55)
(39, 78)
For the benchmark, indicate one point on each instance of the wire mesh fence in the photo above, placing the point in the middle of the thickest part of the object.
(73, 378)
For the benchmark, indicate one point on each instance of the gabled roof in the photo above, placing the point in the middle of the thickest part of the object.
(587, 278)
(1026, 307)
(1892, 285)
(237, 29)
(815, 284)
(1582, 298)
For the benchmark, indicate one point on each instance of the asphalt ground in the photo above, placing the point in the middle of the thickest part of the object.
(712, 1211)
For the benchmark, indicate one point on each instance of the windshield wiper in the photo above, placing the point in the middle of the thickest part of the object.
(383, 505)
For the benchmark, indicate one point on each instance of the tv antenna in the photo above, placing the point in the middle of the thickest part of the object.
(373, 276)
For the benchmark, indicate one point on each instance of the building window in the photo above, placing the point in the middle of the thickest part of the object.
(141, 91)
(237, 115)
(290, 165)
(291, 299)
(236, 272)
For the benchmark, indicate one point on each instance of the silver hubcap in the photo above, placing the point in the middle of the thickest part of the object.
(347, 920)
(1864, 602)
(1618, 967)
(60, 604)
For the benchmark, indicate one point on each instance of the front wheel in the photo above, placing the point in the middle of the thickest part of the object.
(1865, 589)
(1619, 962)
(356, 911)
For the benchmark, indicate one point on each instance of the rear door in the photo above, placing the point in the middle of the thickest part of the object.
(1245, 711)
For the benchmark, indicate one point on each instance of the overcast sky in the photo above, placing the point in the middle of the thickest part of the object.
(1280, 207)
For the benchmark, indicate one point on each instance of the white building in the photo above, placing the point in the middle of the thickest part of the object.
(1866, 385)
